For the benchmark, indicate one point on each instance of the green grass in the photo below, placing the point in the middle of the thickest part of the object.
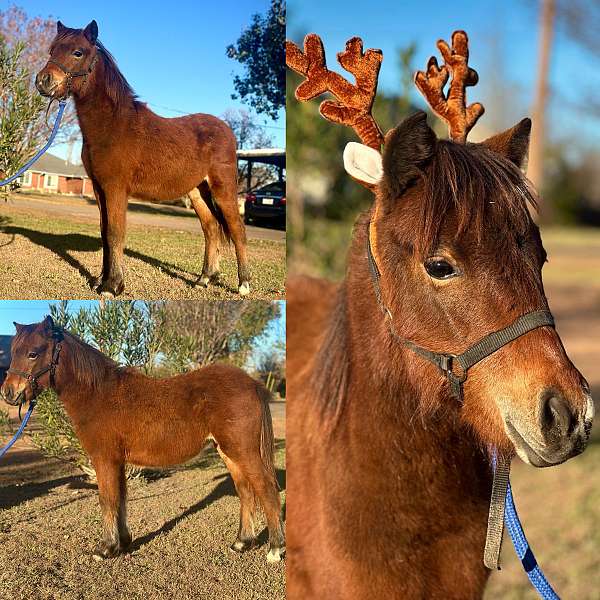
(45, 257)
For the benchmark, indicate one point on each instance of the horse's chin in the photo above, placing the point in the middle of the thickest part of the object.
(529, 451)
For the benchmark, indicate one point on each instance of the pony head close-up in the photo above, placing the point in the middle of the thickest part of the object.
(455, 256)
(35, 353)
(74, 54)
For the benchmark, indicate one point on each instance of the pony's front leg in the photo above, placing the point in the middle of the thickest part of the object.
(115, 226)
(113, 493)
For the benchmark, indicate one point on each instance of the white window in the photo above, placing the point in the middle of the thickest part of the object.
(51, 181)
(25, 179)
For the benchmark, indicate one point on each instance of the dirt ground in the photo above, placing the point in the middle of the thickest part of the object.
(182, 525)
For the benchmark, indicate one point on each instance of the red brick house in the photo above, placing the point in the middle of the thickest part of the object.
(51, 174)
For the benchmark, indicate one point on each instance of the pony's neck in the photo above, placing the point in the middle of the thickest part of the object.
(72, 382)
(96, 111)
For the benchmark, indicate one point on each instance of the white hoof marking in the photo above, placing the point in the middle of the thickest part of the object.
(274, 555)
(244, 289)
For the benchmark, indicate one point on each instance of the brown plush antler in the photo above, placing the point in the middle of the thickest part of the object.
(453, 107)
(354, 102)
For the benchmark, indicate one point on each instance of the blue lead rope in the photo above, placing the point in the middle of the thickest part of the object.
(61, 110)
(19, 431)
(517, 535)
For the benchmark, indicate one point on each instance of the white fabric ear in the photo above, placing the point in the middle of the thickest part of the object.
(363, 163)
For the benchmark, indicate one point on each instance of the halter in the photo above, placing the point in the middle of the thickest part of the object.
(446, 362)
(71, 74)
(32, 378)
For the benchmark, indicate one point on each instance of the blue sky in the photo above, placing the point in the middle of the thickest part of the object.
(33, 311)
(172, 53)
(503, 43)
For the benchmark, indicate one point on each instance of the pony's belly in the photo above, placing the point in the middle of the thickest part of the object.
(166, 453)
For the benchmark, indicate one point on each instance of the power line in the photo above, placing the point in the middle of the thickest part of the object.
(185, 112)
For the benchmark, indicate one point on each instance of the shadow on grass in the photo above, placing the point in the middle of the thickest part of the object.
(223, 488)
(166, 210)
(63, 244)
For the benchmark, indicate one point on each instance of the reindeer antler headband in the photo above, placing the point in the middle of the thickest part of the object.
(354, 103)
(452, 107)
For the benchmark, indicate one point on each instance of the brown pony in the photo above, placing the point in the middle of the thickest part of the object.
(389, 476)
(121, 416)
(128, 151)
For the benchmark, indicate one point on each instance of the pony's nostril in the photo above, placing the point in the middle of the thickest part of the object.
(557, 417)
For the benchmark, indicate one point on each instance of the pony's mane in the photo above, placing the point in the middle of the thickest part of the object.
(332, 365)
(117, 87)
(88, 364)
(485, 190)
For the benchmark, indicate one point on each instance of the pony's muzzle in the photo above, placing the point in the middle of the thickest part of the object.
(45, 84)
(8, 394)
(563, 430)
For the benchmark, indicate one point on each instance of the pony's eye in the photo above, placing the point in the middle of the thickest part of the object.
(32, 355)
(77, 53)
(438, 268)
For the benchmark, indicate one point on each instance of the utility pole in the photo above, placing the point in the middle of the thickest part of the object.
(535, 169)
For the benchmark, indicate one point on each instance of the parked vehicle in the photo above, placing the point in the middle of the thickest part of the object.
(267, 202)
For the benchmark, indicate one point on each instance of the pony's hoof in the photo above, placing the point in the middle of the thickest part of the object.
(108, 290)
(275, 555)
(244, 289)
(104, 551)
(203, 281)
(242, 546)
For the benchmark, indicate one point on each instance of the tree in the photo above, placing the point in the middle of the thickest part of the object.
(261, 50)
(248, 132)
(19, 109)
(24, 124)
(200, 333)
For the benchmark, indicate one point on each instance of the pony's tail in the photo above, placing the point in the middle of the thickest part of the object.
(267, 440)
(217, 213)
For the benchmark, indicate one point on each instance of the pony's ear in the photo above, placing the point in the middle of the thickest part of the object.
(59, 27)
(48, 324)
(408, 148)
(512, 143)
(18, 326)
(91, 32)
(363, 163)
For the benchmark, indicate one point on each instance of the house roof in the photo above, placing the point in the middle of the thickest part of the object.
(5, 341)
(49, 163)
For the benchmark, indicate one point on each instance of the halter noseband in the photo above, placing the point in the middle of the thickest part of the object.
(471, 356)
(32, 378)
(71, 74)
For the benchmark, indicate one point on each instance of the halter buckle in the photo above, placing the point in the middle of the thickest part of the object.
(446, 363)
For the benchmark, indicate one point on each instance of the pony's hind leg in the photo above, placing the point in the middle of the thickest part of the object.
(248, 461)
(223, 186)
(200, 199)
(246, 535)
(113, 491)
(265, 487)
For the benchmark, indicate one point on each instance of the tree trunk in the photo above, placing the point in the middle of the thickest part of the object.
(535, 169)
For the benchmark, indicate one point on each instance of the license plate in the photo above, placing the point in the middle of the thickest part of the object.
(268, 201)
